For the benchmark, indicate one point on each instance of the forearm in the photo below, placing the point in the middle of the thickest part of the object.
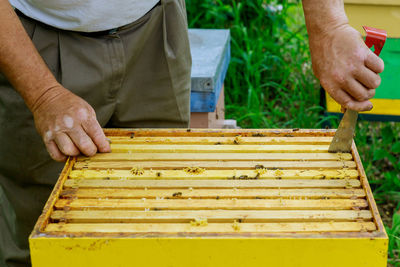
(342, 62)
(323, 15)
(66, 122)
(20, 62)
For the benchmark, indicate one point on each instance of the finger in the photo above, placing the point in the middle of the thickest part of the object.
(368, 78)
(344, 99)
(374, 63)
(65, 144)
(93, 129)
(358, 91)
(83, 141)
(54, 152)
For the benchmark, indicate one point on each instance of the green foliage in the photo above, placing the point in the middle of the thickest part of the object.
(394, 243)
(379, 145)
(270, 79)
(270, 85)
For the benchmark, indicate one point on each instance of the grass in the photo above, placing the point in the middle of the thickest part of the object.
(270, 84)
(379, 146)
(394, 242)
(270, 52)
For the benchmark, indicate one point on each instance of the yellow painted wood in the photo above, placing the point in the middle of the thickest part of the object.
(212, 193)
(374, 2)
(245, 216)
(216, 156)
(216, 174)
(211, 204)
(381, 106)
(258, 192)
(212, 227)
(295, 183)
(209, 252)
(222, 140)
(381, 16)
(118, 148)
(364, 181)
(156, 165)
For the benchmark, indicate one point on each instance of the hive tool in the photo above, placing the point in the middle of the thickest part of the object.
(343, 138)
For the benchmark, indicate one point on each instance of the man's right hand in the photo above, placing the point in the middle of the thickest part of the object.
(68, 125)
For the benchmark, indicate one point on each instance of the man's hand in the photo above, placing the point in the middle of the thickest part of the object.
(68, 125)
(66, 122)
(346, 67)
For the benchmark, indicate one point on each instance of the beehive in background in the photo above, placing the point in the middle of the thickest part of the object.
(212, 198)
(382, 14)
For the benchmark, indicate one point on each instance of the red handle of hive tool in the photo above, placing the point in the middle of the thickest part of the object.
(376, 38)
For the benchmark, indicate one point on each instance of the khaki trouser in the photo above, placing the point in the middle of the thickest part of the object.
(137, 77)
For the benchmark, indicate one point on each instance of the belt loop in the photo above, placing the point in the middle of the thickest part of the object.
(113, 31)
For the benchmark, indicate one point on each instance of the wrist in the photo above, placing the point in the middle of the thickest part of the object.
(324, 16)
(47, 95)
(33, 85)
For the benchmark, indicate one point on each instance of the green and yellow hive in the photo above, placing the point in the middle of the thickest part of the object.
(382, 14)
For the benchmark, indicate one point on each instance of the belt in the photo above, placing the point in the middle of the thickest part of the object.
(88, 34)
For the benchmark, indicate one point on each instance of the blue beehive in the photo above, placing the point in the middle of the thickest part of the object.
(210, 49)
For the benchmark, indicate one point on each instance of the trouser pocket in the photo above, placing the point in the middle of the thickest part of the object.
(177, 51)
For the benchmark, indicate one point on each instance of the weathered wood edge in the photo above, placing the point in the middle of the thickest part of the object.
(43, 219)
(48, 208)
(219, 132)
(369, 196)
(342, 235)
(372, 2)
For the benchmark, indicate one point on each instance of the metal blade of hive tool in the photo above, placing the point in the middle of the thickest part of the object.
(344, 135)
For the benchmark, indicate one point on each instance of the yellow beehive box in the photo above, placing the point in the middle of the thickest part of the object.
(212, 198)
(381, 14)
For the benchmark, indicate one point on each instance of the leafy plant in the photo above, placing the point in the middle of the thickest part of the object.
(275, 86)
(394, 243)
(379, 145)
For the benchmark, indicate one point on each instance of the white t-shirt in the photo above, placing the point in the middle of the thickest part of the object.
(84, 15)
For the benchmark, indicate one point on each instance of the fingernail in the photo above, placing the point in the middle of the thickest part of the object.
(105, 149)
(109, 140)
